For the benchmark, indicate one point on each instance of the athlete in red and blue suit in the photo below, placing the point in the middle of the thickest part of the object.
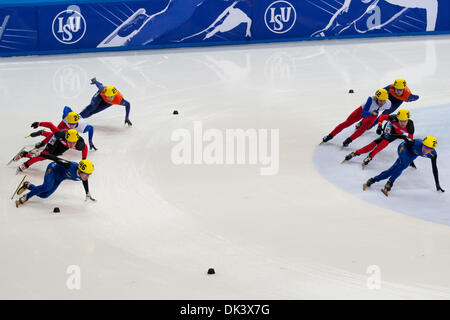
(70, 120)
(367, 112)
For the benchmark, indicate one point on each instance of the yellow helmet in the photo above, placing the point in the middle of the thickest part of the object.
(430, 142)
(110, 91)
(399, 83)
(86, 166)
(72, 135)
(381, 94)
(403, 114)
(72, 117)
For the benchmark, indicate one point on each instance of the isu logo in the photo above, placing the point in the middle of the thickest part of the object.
(280, 17)
(69, 25)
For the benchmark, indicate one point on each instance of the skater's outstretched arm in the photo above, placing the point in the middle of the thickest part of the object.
(60, 161)
(408, 141)
(127, 106)
(435, 172)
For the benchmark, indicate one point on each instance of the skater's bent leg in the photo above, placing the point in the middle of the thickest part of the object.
(366, 149)
(383, 144)
(48, 184)
(352, 118)
(367, 121)
(387, 173)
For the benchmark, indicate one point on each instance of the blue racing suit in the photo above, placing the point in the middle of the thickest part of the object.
(56, 173)
(408, 151)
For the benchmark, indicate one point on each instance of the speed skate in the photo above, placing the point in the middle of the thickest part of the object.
(19, 187)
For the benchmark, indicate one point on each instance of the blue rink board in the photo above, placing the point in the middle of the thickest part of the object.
(62, 26)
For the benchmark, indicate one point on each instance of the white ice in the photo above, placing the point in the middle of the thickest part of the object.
(308, 232)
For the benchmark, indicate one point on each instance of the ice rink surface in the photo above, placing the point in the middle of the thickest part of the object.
(306, 232)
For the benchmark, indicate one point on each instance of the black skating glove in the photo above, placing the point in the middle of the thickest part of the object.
(93, 80)
(438, 188)
(379, 130)
(37, 133)
(39, 144)
(35, 124)
(128, 122)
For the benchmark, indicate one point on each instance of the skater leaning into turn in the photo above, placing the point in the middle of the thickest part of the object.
(368, 112)
(104, 98)
(408, 150)
(70, 120)
(398, 93)
(58, 143)
(57, 172)
(395, 125)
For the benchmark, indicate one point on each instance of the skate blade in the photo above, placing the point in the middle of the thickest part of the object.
(385, 192)
(343, 161)
(20, 185)
(365, 186)
(15, 156)
(363, 166)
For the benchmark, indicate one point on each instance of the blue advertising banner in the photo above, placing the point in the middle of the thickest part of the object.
(137, 24)
(18, 29)
(99, 25)
(338, 18)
